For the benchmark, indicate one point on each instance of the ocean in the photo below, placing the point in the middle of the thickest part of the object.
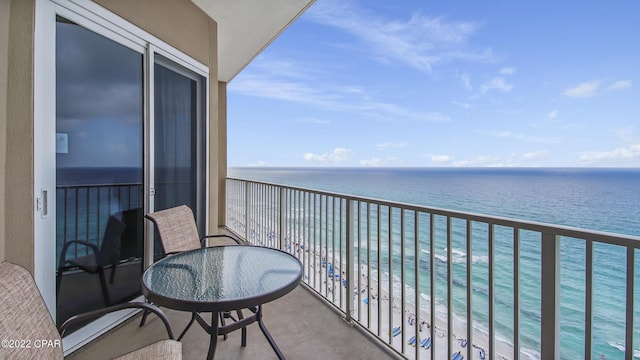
(594, 199)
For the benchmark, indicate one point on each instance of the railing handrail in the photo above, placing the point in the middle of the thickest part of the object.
(561, 230)
(72, 186)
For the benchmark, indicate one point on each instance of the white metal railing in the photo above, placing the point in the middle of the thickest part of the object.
(496, 282)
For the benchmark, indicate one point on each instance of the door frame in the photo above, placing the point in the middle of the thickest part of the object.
(100, 20)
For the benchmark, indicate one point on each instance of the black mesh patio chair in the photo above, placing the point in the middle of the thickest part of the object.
(97, 259)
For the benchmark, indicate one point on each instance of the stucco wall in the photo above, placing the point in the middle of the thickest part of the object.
(179, 23)
(4, 43)
(18, 181)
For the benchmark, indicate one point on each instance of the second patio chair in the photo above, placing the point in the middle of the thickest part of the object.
(26, 320)
(178, 232)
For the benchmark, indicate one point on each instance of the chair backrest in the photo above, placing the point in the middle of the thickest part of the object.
(132, 236)
(24, 317)
(177, 228)
(111, 247)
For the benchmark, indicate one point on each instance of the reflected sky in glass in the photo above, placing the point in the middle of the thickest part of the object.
(99, 99)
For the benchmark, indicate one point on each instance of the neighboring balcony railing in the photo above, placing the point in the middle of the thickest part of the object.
(507, 289)
(83, 211)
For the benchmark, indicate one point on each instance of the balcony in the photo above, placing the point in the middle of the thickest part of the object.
(301, 324)
(501, 293)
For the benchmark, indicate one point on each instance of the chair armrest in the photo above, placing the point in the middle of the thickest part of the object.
(63, 253)
(93, 246)
(100, 312)
(206, 237)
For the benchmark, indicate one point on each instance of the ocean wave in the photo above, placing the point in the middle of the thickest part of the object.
(619, 344)
(480, 328)
(458, 256)
(530, 354)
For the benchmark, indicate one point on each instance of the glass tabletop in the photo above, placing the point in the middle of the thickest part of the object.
(221, 278)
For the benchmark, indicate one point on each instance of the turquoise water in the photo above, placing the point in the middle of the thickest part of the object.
(594, 199)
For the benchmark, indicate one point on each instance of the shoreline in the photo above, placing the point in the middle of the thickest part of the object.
(418, 333)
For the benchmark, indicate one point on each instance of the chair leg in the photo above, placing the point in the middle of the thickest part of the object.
(58, 282)
(144, 317)
(113, 274)
(105, 288)
(145, 313)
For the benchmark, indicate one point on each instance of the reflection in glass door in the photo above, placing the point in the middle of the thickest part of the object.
(179, 141)
(99, 176)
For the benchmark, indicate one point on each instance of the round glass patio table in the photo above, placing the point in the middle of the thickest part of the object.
(222, 278)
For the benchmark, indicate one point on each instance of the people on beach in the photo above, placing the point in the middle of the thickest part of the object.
(365, 293)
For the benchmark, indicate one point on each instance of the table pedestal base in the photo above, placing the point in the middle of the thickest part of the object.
(215, 330)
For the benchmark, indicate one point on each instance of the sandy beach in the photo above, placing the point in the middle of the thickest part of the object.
(412, 335)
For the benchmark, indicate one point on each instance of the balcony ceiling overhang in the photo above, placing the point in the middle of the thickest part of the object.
(246, 27)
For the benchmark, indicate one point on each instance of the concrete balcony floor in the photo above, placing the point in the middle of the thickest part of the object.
(303, 326)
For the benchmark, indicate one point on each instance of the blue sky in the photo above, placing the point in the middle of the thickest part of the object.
(444, 84)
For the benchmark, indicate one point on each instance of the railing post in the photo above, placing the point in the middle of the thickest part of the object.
(631, 272)
(247, 207)
(282, 214)
(351, 273)
(550, 307)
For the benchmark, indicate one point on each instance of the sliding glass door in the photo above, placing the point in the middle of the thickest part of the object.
(130, 137)
(99, 170)
(179, 169)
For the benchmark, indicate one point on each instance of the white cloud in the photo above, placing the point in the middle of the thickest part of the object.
(590, 88)
(497, 83)
(627, 134)
(465, 79)
(623, 153)
(420, 41)
(261, 164)
(337, 155)
(462, 104)
(313, 89)
(508, 71)
(620, 85)
(586, 89)
(522, 137)
(375, 162)
(120, 149)
(553, 114)
(484, 160)
(371, 108)
(537, 155)
(268, 86)
(510, 160)
(390, 145)
(441, 158)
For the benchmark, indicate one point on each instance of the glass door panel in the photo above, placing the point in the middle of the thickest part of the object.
(179, 140)
(99, 170)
